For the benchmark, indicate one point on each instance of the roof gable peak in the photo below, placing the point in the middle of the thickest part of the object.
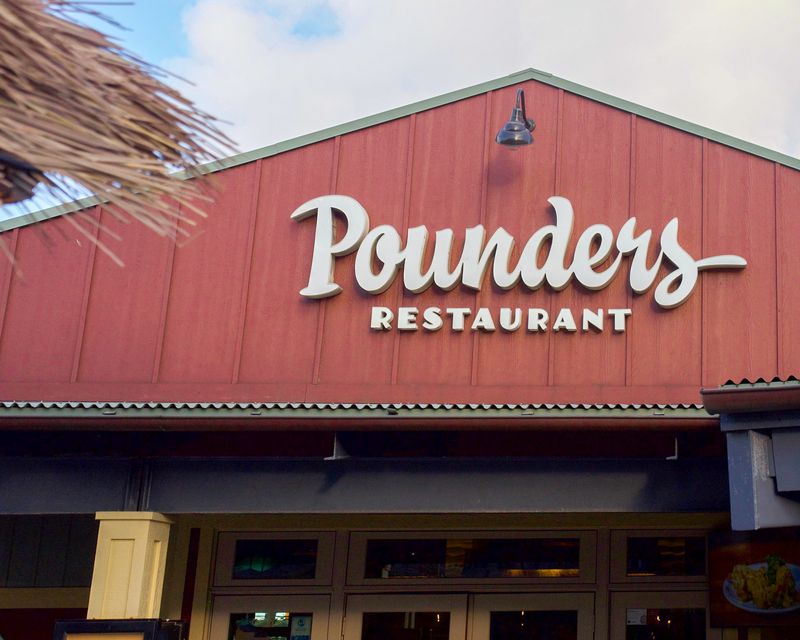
(431, 103)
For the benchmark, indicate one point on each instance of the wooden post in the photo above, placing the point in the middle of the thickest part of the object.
(129, 565)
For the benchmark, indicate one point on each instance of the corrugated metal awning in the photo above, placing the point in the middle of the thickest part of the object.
(360, 415)
(748, 396)
(337, 405)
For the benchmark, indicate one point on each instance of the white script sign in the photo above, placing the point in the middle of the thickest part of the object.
(383, 246)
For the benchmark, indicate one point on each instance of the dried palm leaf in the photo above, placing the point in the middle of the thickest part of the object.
(75, 104)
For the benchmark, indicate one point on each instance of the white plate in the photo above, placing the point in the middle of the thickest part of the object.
(730, 592)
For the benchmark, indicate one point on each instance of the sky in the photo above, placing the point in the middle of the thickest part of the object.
(276, 69)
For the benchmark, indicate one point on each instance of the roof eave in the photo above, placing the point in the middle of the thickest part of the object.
(183, 417)
(751, 399)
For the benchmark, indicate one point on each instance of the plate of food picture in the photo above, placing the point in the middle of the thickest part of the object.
(771, 586)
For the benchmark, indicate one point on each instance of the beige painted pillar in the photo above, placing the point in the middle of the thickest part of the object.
(129, 565)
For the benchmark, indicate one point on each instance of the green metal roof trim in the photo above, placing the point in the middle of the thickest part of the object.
(775, 383)
(432, 103)
(344, 410)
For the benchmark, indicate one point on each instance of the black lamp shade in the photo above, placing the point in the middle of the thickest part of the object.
(517, 131)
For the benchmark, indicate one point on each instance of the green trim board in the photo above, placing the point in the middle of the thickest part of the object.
(432, 103)
(334, 411)
(51, 212)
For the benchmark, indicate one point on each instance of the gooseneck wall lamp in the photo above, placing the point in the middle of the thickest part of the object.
(517, 131)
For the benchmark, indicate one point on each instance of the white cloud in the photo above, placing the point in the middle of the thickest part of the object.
(731, 65)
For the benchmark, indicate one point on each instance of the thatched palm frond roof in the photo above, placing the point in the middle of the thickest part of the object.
(75, 104)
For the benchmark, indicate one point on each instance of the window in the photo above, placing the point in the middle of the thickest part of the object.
(455, 557)
(270, 558)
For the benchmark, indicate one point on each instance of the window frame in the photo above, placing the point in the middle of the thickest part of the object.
(621, 601)
(224, 605)
(619, 555)
(587, 557)
(226, 555)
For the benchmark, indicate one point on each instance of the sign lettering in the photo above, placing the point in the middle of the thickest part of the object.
(381, 253)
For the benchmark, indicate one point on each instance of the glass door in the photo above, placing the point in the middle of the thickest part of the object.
(676, 615)
(551, 616)
(275, 617)
(406, 617)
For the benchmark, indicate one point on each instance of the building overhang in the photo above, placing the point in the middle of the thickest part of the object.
(518, 458)
(759, 396)
(761, 423)
(196, 416)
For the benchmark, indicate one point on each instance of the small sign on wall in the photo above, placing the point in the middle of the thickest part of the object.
(636, 617)
(300, 628)
(754, 578)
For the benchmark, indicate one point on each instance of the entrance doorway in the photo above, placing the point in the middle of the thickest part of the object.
(460, 584)
(270, 617)
(406, 617)
(563, 616)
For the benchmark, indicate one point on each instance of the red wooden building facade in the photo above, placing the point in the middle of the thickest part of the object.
(209, 321)
(218, 318)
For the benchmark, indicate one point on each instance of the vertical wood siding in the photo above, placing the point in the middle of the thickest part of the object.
(668, 171)
(447, 173)
(788, 257)
(47, 551)
(205, 292)
(594, 174)
(220, 318)
(516, 358)
(44, 304)
(124, 302)
(274, 307)
(739, 307)
(372, 164)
